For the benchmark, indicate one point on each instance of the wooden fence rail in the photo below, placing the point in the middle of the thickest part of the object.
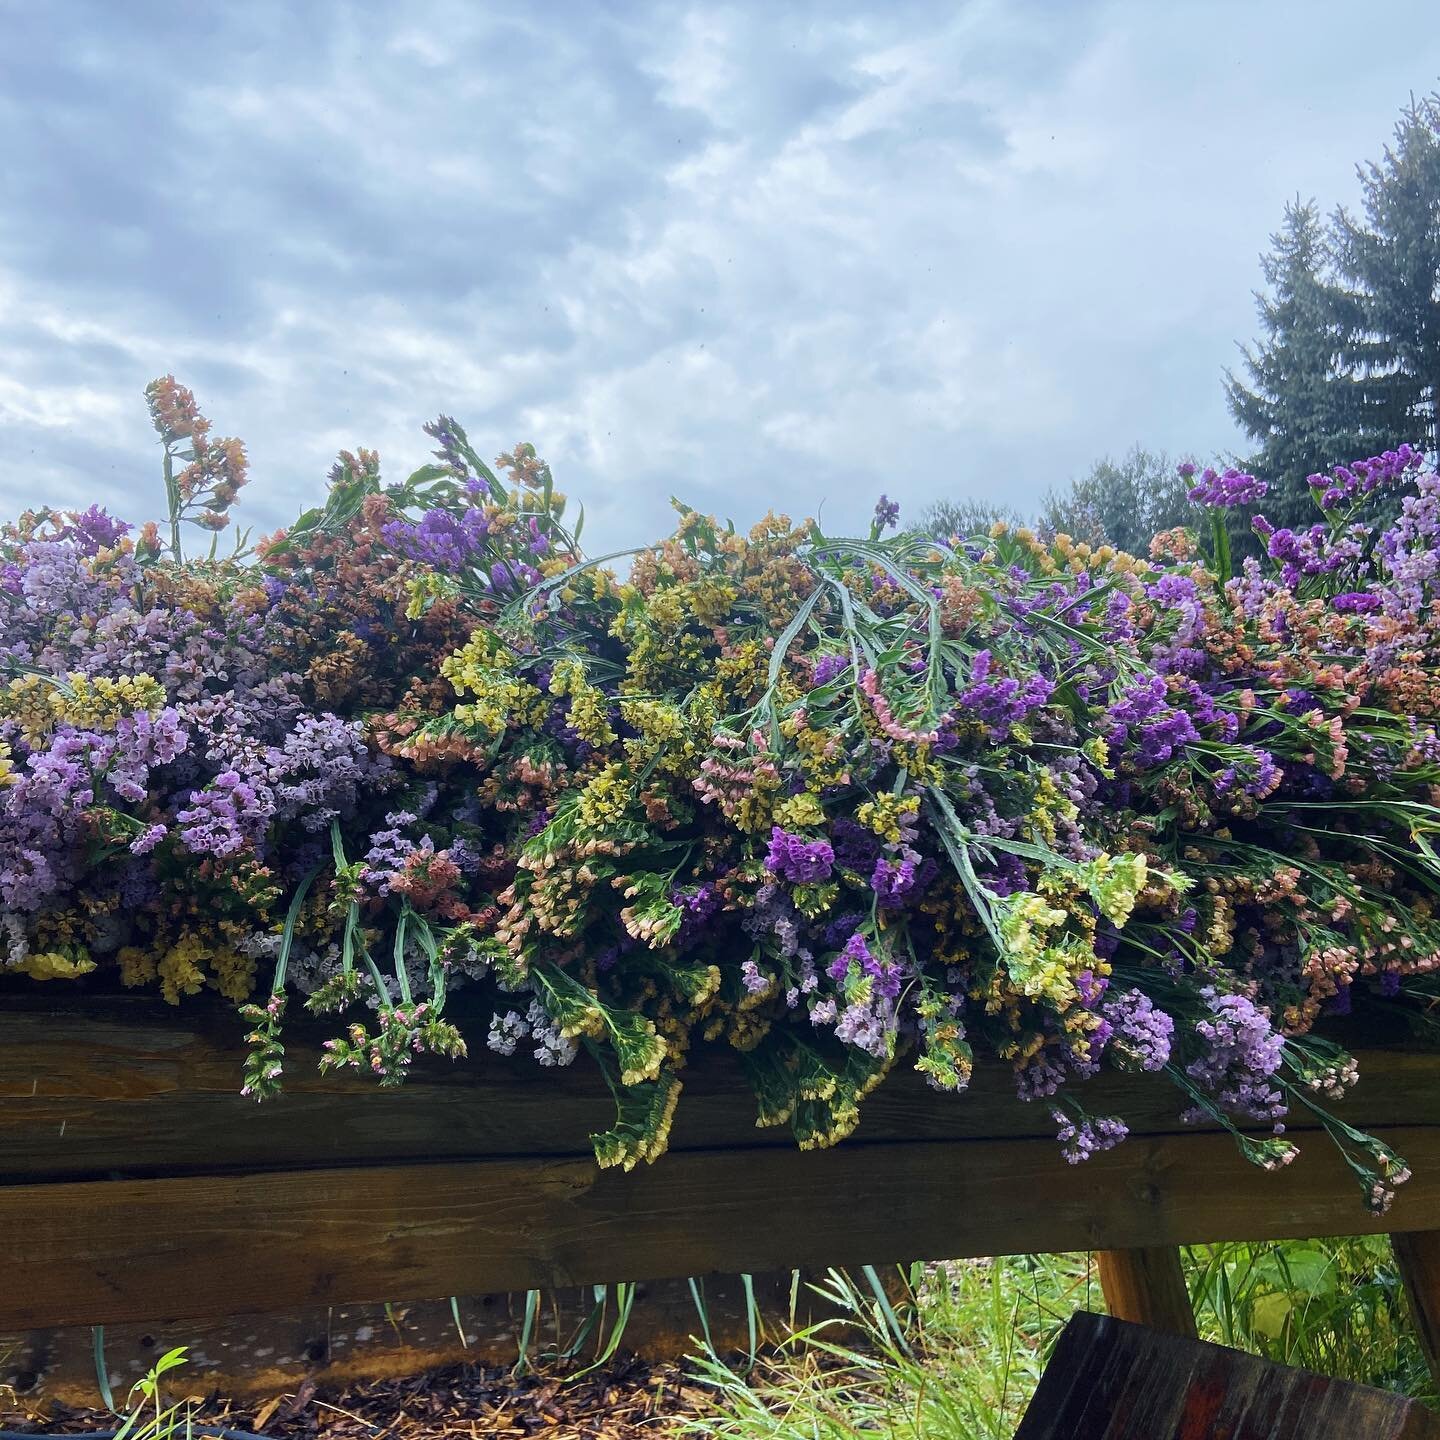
(136, 1185)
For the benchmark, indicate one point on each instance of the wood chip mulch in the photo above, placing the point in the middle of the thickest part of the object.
(626, 1400)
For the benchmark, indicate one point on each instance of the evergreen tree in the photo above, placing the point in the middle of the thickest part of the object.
(1125, 503)
(1391, 262)
(947, 519)
(1301, 405)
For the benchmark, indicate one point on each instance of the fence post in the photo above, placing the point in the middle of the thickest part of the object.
(1417, 1253)
(1148, 1286)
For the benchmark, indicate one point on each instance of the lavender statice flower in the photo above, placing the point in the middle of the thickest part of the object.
(887, 513)
(1092, 1134)
(1241, 1052)
(754, 979)
(794, 858)
(222, 819)
(1140, 1032)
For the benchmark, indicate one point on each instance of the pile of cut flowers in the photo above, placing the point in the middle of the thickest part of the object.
(841, 803)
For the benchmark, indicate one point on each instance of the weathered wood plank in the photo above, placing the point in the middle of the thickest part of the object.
(1147, 1285)
(1109, 1380)
(138, 1088)
(1418, 1256)
(113, 1251)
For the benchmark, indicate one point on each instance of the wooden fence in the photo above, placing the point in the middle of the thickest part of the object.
(137, 1185)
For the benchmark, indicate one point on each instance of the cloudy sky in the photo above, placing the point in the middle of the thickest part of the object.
(754, 255)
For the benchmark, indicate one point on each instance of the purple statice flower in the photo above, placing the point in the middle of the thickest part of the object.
(1144, 719)
(855, 847)
(1002, 701)
(1356, 602)
(840, 929)
(1240, 1053)
(1363, 477)
(1311, 551)
(857, 958)
(801, 861)
(445, 541)
(1228, 488)
(826, 668)
(900, 878)
(700, 905)
(887, 513)
(1254, 773)
(94, 530)
(1092, 1134)
(1140, 1032)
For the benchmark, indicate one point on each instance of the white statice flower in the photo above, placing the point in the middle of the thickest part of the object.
(507, 1031)
(551, 1047)
(14, 946)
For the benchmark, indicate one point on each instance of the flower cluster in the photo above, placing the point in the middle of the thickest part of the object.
(840, 804)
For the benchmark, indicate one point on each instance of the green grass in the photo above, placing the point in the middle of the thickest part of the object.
(975, 1335)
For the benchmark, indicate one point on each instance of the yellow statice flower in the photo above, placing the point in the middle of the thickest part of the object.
(38, 703)
(56, 965)
(800, 811)
(589, 707)
(882, 815)
(137, 966)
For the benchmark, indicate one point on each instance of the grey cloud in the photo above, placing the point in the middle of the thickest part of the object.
(752, 255)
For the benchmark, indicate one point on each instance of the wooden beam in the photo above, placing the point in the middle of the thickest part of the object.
(100, 1252)
(1417, 1253)
(126, 1085)
(1147, 1285)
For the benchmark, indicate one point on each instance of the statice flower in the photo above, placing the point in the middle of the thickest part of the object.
(1140, 1032)
(1002, 701)
(887, 514)
(1363, 477)
(1241, 1053)
(1144, 720)
(1228, 488)
(1252, 772)
(440, 539)
(794, 858)
(222, 819)
(1089, 1136)
(507, 1030)
(826, 668)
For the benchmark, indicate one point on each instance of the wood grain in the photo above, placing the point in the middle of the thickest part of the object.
(1147, 1285)
(1109, 1380)
(138, 1088)
(1418, 1256)
(109, 1251)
